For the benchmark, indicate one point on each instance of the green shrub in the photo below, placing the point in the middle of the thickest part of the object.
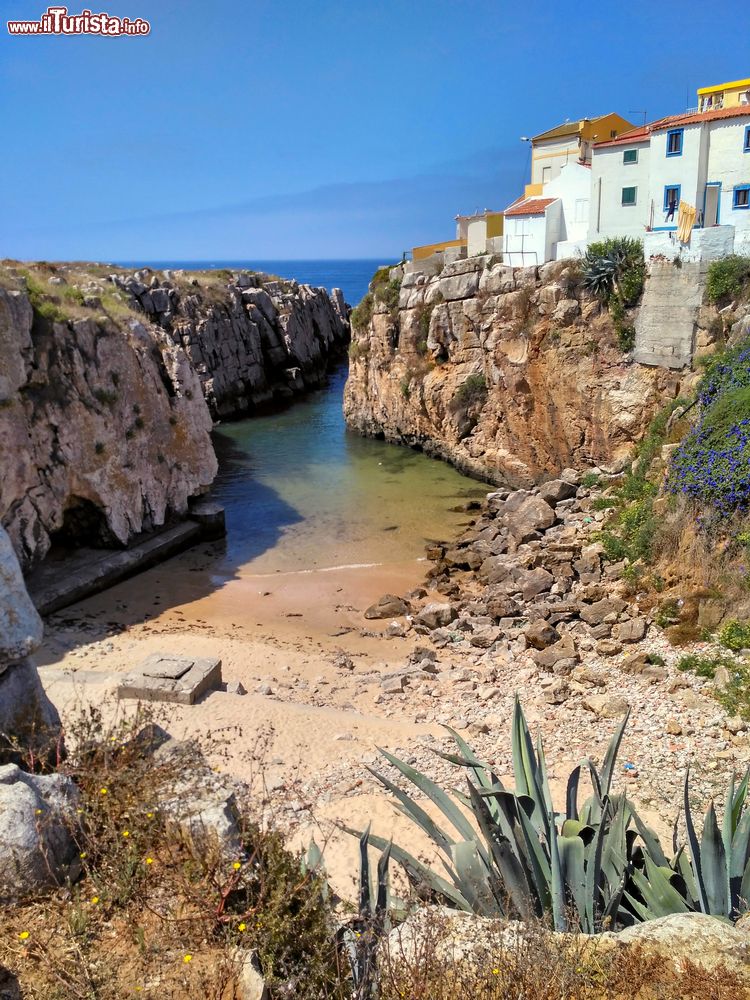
(473, 390)
(362, 314)
(591, 480)
(668, 613)
(73, 294)
(727, 277)
(735, 635)
(704, 666)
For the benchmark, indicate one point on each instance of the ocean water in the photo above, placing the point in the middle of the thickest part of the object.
(352, 276)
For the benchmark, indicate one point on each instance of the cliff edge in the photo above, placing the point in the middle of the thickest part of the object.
(510, 374)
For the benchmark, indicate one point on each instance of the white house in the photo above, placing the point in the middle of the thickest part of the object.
(553, 225)
(702, 159)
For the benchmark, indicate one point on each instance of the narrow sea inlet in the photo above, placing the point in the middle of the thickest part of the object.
(303, 493)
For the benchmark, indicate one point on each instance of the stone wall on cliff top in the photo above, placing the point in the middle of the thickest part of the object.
(251, 339)
(509, 374)
(103, 428)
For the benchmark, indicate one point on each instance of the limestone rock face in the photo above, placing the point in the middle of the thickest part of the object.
(511, 374)
(20, 625)
(37, 817)
(27, 717)
(103, 429)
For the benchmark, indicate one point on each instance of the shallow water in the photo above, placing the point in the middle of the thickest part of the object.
(303, 493)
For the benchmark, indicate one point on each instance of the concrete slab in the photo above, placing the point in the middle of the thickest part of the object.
(179, 679)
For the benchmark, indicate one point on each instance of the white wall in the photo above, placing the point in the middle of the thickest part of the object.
(524, 240)
(476, 235)
(573, 187)
(705, 244)
(609, 175)
(688, 170)
(554, 153)
(728, 164)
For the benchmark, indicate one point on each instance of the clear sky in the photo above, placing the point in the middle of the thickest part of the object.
(318, 128)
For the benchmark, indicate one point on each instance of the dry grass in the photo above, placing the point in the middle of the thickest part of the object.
(539, 966)
(155, 914)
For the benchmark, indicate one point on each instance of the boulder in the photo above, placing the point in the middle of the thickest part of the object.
(389, 606)
(696, 937)
(540, 634)
(563, 651)
(556, 490)
(533, 516)
(37, 825)
(436, 615)
(20, 625)
(534, 582)
(632, 630)
(594, 614)
(606, 706)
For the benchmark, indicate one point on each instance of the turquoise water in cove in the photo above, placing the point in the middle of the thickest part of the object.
(301, 492)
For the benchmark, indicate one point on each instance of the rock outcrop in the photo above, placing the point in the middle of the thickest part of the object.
(510, 374)
(250, 338)
(110, 381)
(28, 719)
(103, 428)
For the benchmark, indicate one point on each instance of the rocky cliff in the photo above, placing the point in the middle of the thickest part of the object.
(250, 338)
(510, 374)
(109, 382)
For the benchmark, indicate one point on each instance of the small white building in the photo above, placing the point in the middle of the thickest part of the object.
(701, 159)
(551, 226)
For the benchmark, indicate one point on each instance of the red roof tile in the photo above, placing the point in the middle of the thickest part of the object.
(528, 206)
(643, 133)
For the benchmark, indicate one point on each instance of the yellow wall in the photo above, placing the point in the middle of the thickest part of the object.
(731, 92)
(602, 127)
(421, 253)
(533, 190)
(495, 222)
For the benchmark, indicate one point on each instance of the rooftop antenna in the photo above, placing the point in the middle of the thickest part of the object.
(639, 113)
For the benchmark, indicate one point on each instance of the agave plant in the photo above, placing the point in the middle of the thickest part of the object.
(512, 854)
(712, 876)
(361, 937)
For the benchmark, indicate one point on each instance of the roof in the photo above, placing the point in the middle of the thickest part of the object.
(529, 206)
(643, 134)
(724, 86)
(741, 111)
(568, 128)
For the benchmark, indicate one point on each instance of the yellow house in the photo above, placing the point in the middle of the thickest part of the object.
(724, 95)
(570, 142)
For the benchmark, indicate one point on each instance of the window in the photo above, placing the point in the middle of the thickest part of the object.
(612, 133)
(581, 210)
(671, 197)
(630, 156)
(674, 142)
(628, 195)
(546, 175)
(741, 197)
(746, 146)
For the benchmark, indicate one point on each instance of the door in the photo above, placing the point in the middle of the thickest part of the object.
(711, 205)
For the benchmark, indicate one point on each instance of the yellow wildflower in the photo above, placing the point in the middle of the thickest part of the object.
(94, 899)
(38, 812)
(103, 791)
(149, 861)
(187, 958)
(82, 854)
(126, 833)
(242, 927)
(237, 866)
(495, 972)
(23, 935)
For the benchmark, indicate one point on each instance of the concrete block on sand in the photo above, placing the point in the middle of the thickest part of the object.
(163, 677)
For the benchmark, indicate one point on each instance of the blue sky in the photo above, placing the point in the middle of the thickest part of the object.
(263, 129)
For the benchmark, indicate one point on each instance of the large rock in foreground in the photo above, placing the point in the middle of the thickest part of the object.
(28, 719)
(37, 820)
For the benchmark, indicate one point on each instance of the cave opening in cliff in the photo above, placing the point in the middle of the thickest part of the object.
(84, 525)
